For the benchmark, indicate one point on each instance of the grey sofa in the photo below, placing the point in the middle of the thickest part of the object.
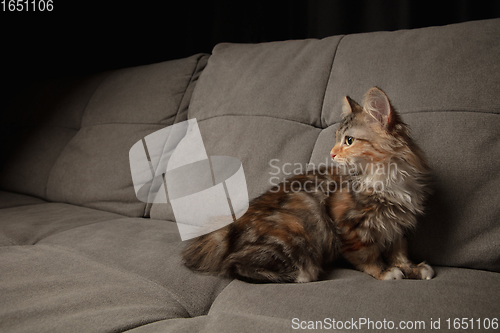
(80, 253)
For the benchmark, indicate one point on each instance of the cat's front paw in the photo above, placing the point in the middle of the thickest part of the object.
(393, 274)
(426, 271)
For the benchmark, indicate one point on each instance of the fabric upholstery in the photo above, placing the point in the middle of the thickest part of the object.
(93, 170)
(149, 249)
(36, 127)
(9, 199)
(244, 88)
(77, 255)
(431, 69)
(63, 291)
(347, 294)
(271, 106)
(31, 223)
(77, 132)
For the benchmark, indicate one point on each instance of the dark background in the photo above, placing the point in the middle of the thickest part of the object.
(80, 37)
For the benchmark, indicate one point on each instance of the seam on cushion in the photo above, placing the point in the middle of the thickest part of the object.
(409, 113)
(91, 125)
(36, 126)
(149, 206)
(85, 225)
(259, 116)
(122, 123)
(76, 131)
(195, 70)
(92, 95)
(322, 121)
(314, 146)
(252, 315)
(111, 218)
(32, 204)
(71, 229)
(94, 208)
(451, 111)
(54, 163)
(12, 241)
(118, 269)
(29, 195)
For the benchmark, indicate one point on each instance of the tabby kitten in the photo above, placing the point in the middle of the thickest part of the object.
(358, 209)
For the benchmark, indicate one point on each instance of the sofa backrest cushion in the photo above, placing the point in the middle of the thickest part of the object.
(36, 126)
(79, 152)
(276, 107)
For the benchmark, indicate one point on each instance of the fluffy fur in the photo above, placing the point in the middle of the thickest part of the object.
(359, 209)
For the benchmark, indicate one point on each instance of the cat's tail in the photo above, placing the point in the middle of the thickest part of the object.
(207, 252)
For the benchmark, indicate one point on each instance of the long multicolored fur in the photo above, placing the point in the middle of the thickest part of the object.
(360, 209)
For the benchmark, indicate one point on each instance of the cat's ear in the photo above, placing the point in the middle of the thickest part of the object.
(377, 105)
(350, 106)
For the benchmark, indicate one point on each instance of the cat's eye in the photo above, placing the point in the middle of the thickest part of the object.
(349, 140)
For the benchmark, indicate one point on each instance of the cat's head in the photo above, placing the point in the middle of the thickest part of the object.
(373, 135)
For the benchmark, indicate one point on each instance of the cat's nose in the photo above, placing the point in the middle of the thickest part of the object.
(332, 155)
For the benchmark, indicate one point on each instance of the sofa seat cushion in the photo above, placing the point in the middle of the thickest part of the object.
(348, 294)
(10, 199)
(147, 248)
(219, 323)
(345, 296)
(51, 289)
(109, 274)
(29, 224)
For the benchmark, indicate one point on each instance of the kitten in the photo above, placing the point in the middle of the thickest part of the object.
(359, 209)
